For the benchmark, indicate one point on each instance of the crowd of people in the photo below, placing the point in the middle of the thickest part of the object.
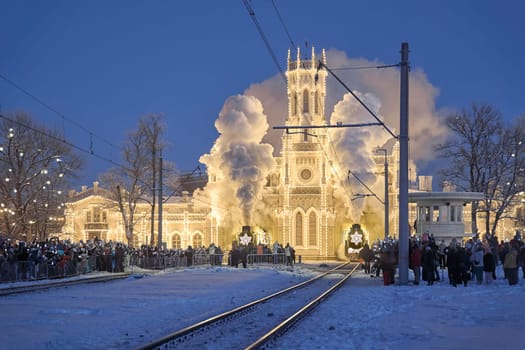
(54, 258)
(473, 260)
(277, 254)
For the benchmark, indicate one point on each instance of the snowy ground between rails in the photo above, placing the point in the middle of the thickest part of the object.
(365, 315)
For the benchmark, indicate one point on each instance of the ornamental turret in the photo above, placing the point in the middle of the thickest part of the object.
(306, 80)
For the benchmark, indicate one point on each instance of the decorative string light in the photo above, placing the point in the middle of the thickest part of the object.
(41, 184)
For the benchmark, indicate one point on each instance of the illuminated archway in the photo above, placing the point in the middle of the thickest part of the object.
(197, 240)
(312, 228)
(176, 241)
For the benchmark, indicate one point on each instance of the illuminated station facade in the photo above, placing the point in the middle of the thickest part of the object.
(298, 203)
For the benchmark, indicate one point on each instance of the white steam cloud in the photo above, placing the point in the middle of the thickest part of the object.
(238, 162)
(354, 147)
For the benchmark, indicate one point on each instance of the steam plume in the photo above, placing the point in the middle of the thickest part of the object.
(238, 161)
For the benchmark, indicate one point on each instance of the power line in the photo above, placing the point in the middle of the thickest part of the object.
(282, 22)
(321, 64)
(263, 36)
(47, 106)
(63, 140)
(365, 186)
(81, 149)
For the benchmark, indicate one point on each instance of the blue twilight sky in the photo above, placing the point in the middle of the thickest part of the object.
(104, 64)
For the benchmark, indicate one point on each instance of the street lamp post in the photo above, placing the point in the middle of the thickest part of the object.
(386, 201)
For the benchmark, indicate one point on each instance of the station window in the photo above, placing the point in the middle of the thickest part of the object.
(312, 229)
(299, 229)
(427, 214)
(176, 241)
(435, 213)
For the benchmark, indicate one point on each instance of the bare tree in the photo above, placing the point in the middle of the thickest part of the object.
(36, 166)
(484, 156)
(126, 183)
(136, 181)
(509, 184)
(153, 128)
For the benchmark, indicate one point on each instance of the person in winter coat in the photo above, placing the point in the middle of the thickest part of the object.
(428, 261)
(463, 266)
(244, 257)
(510, 265)
(415, 262)
(488, 263)
(476, 259)
(189, 256)
(366, 254)
(288, 252)
(453, 264)
(387, 261)
(235, 256)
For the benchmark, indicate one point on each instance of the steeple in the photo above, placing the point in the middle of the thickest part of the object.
(306, 90)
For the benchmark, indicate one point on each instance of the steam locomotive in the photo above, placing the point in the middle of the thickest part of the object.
(354, 241)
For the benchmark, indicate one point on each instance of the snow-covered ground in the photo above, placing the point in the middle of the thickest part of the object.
(364, 315)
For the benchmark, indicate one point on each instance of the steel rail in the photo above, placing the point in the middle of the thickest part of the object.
(41, 286)
(290, 321)
(164, 342)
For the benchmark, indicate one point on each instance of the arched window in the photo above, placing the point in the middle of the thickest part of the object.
(176, 241)
(294, 104)
(197, 241)
(299, 229)
(306, 108)
(312, 229)
(316, 103)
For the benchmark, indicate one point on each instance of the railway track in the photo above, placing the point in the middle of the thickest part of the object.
(33, 287)
(260, 322)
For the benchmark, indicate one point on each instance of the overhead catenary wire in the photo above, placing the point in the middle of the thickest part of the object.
(92, 135)
(54, 110)
(63, 140)
(263, 36)
(283, 24)
(350, 172)
(321, 64)
(72, 145)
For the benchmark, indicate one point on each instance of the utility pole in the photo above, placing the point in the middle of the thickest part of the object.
(159, 241)
(403, 168)
(386, 201)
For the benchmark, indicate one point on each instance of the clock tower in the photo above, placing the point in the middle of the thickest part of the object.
(305, 211)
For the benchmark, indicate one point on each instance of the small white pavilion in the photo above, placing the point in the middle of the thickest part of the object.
(442, 213)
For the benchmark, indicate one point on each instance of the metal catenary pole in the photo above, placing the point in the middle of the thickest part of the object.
(159, 242)
(403, 168)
